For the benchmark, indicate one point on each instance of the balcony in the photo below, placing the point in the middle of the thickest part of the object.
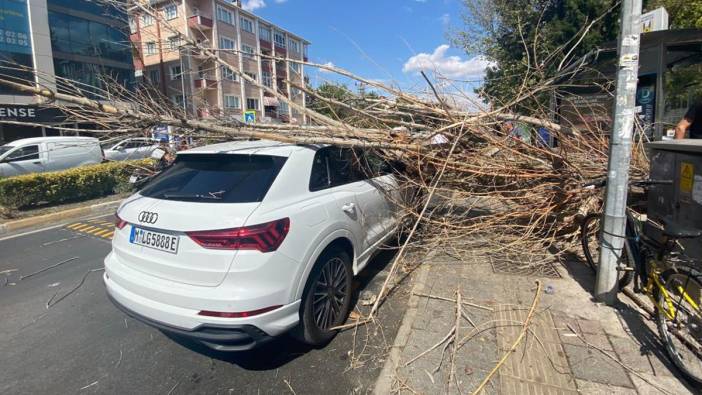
(205, 83)
(200, 22)
(266, 44)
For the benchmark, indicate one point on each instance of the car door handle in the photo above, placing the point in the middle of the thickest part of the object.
(349, 208)
(38, 162)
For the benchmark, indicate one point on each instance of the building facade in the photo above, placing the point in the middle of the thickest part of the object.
(56, 40)
(206, 88)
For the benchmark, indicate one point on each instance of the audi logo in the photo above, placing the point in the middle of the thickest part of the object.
(148, 217)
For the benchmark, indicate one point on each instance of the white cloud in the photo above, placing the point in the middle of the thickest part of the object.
(447, 66)
(328, 64)
(445, 19)
(252, 5)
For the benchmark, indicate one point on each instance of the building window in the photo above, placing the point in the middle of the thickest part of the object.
(231, 101)
(226, 43)
(294, 45)
(283, 108)
(251, 103)
(279, 39)
(174, 43)
(150, 48)
(178, 100)
(228, 74)
(154, 76)
(266, 79)
(253, 76)
(295, 92)
(246, 24)
(247, 51)
(294, 68)
(224, 15)
(264, 33)
(132, 25)
(176, 73)
(147, 20)
(170, 12)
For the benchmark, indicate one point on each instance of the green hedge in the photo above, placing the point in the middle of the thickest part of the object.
(76, 184)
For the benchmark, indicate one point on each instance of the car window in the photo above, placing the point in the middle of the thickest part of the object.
(319, 177)
(30, 152)
(334, 166)
(216, 178)
(5, 148)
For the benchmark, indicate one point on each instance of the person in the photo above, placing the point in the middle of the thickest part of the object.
(691, 122)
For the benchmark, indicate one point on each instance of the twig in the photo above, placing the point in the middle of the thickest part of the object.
(613, 358)
(511, 350)
(173, 388)
(425, 352)
(289, 386)
(49, 267)
(89, 385)
(452, 372)
(453, 301)
(49, 304)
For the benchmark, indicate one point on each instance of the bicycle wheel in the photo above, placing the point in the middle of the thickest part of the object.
(682, 333)
(590, 233)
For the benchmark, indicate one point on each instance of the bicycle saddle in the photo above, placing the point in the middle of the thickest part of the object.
(676, 231)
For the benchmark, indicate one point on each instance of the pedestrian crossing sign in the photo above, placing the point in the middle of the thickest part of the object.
(250, 117)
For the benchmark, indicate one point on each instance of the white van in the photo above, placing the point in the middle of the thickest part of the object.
(41, 154)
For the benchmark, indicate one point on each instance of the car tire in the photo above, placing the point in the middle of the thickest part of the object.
(325, 304)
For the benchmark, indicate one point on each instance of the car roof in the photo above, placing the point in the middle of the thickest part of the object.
(259, 147)
(56, 139)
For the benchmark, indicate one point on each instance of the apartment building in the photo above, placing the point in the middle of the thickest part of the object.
(80, 40)
(203, 86)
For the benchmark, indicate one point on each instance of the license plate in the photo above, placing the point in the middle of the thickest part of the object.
(156, 240)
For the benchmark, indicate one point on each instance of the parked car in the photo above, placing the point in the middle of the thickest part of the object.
(133, 148)
(243, 241)
(41, 154)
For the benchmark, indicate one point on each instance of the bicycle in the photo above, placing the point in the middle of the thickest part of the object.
(650, 258)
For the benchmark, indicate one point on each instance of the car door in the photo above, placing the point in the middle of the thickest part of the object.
(346, 172)
(389, 197)
(343, 206)
(23, 160)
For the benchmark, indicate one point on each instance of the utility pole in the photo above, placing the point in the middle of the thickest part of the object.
(614, 222)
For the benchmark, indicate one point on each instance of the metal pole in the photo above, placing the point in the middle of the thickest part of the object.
(614, 224)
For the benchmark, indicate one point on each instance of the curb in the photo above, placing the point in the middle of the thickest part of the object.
(46, 219)
(384, 383)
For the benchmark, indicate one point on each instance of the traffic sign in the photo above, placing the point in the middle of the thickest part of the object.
(250, 117)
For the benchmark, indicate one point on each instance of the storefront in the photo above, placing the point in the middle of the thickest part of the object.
(670, 80)
(24, 121)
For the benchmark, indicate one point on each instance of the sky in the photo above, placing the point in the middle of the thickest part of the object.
(384, 40)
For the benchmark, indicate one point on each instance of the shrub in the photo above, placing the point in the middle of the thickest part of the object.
(76, 184)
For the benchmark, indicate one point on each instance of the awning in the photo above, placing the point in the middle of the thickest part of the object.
(270, 101)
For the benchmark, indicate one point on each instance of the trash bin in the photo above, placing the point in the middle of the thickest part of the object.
(681, 202)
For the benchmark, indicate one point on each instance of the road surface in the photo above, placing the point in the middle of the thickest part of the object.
(60, 334)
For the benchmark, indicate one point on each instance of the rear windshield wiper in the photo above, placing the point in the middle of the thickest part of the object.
(190, 196)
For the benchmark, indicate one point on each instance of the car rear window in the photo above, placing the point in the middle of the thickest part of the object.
(216, 178)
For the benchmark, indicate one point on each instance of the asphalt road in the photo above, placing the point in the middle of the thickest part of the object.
(60, 334)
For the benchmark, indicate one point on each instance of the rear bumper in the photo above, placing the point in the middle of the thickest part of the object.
(216, 337)
(224, 334)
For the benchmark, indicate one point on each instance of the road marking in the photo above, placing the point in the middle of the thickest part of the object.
(96, 227)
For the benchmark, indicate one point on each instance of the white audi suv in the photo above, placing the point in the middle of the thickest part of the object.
(239, 242)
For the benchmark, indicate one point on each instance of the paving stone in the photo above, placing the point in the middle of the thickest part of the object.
(634, 355)
(598, 340)
(589, 326)
(670, 384)
(592, 388)
(589, 364)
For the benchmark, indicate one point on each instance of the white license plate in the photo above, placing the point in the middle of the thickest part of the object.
(156, 240)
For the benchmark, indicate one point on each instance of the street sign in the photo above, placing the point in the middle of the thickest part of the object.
(654, 21)
(250, 117)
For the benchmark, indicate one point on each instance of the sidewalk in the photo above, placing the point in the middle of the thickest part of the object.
(613, 351)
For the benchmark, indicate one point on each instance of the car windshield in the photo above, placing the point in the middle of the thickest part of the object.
(4, 149)
(216, 178)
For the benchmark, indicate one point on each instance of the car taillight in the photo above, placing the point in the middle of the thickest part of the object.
(243, 314)
(119, 222)
(265, 237)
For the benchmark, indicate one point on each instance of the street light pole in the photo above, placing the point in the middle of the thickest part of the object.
(614, 222)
